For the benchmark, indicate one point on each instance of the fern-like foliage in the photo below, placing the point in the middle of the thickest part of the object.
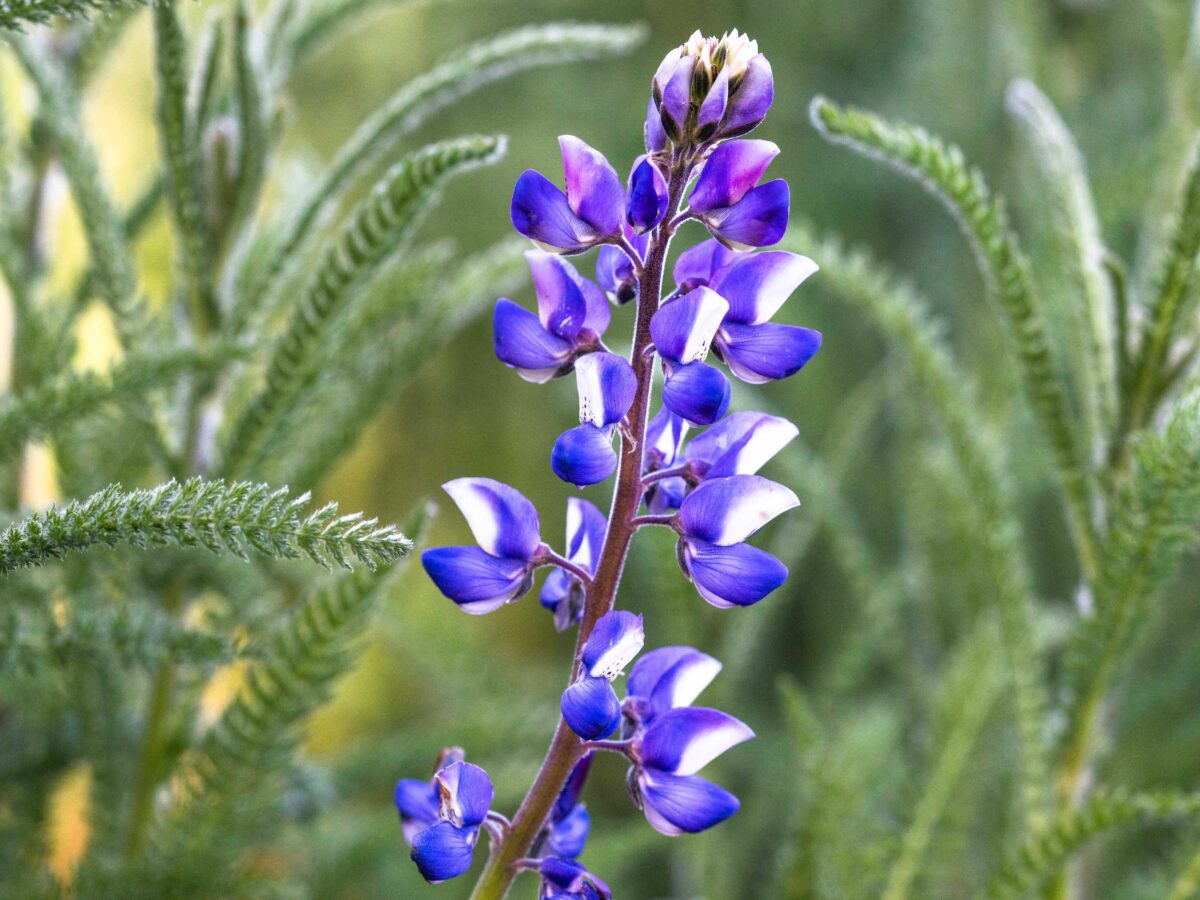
(373, 232)
(237, 518)
(20, 13)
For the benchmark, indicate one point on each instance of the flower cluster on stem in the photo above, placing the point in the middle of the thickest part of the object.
(705, 96)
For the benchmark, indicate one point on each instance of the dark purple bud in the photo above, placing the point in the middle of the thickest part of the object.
(646, 201)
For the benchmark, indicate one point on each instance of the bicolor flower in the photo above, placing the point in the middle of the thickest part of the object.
(726, 199)
(666, 678)
(674, 747)
(499, 570)
(713, 522)
(566, 831)
(755, 286)
(565, 879)
(712, 88)
(562, 593)
(572, 316)
(584, 454)
(683, 330)
(646, 200)
(590, 212)
(664, 440)
(442, 818)
(614, 269)
(590, 706)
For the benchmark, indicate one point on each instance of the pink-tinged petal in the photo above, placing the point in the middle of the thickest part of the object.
(757, 220)
(756, 285)
(646, 202)
(561, 307)
(523, 344)
(475, 580)
(466, 793)
(652, 132)
(760, 353)
(670, 677)
(606, 384)
(590, 708)
(683, 741)
(584, 455)
(738, 575)
(728, 510)
(617, 638)
(697, 393)
(683, 329)
(663, 73)
(676, 95)
(741, 443)
(712, 110)
(594, 190)
(540, 211)
(683, 805)
(586, 527)
(698, 266)
(444, 851)
(503, 521)
(730, 172)
(750, 99)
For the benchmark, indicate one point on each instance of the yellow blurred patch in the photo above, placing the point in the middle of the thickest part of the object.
(39, 478)
(66, 822)
(97, 345)
(219, 693)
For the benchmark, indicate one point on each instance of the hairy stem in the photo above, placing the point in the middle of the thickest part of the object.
(566, 748)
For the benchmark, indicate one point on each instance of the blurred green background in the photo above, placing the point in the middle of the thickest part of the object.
(433, 676)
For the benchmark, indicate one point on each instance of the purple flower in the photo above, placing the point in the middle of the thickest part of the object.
(589, 213)
(664, 679)
(675, 746)
(713, 521)
(646, 200)
(441, 818)
(614, 269)
(725, 199)
(572, 316)
(664, 440)
(562, 593)
(683, 330)
(499, 570)
(590, 706)
(565, 879)
(584, 455)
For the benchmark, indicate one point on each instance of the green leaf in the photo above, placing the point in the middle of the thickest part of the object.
(942, 169)
(238, 518)
(371, 235)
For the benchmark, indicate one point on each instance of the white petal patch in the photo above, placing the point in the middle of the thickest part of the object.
(711, 743)
(768, 436)
(690, 677)
(614, 659)
(709, 311)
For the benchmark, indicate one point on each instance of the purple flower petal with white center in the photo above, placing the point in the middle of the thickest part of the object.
(418, 803)
(737, 575)
(729, 173)
(683, 805)
(652, 132)
(616, 639)
(567, 302)
(594, 190)
(584, 455)
(759, 219)
(750, 98)
(444, 851)
(683, 741)
(606, 385)
(698, 266)
(591, 708)
(540, 211)
(726, 511)
(760, 353)
(646, 202)
(712, 110)
(523, 344)
(671, 677)
(586, 526)
(740, 444)
(466, 794)
(683, 329)
(474, 579)
(664, 437)
(503, 521)
(756, 285)
(696, 392)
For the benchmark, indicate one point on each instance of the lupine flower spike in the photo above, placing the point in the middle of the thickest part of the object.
(680, 459)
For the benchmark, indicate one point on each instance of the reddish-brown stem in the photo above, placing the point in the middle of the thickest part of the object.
(566, 748)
